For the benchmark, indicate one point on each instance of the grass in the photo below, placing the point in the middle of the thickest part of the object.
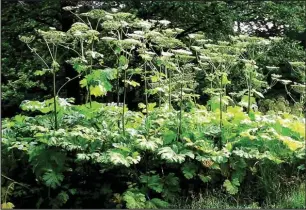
(294, 199)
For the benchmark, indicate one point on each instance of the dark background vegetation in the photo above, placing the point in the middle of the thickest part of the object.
(215, 18)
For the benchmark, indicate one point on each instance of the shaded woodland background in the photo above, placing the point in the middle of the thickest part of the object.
(217, 19)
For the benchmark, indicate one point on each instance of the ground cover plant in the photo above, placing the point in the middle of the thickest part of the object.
(104, 155)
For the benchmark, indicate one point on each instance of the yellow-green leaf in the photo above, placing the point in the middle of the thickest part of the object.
(7, 205)
(97, 90)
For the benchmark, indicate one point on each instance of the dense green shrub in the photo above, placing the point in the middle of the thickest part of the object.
(150, 162)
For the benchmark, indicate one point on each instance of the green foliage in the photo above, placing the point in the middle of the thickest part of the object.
(156, 203)
(134, 200)
(60, 200)
(189, 170)
(231, 187)
(98, 81)
(7, 205)
(141, 159)
(52, 179)
(279, 141)
(153, 182)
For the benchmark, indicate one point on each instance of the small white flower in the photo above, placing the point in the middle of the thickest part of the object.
(150, 53)
(179, 30)
(164, 22)
(135, 36)
(265, 42)
(182, 52)
(276, 38)
(246, 121)
(202, 41)
(196, 48)
(131, 41)
(153, 21)
(139, 32)
(272, 68)
(276, 76)
(285, 82)
(197, 68)
(143, 24)
(108, 38)
(69, 8)
(167, 54)
(203, 57)
(114, 10)
(124, 23)
(192, 36)
(264, 136)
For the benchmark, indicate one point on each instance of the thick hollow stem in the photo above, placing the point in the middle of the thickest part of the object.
(249, 93)
(54, 93)
(146, 93)
(118, 82)
(159, 85)
(88, 87)
(220, 144)
(124, 96)
(169, 89)
(181, 104)
(90, 71)
(118, 97)
(54, 102)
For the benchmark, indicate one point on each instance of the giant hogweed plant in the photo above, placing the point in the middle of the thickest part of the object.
(80, 40)
(290, 86)
(149, 157)
(216, 60)
(252, 49)
(52, 39)
(220, 60)
(182, 60)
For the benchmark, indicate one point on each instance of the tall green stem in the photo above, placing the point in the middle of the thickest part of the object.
(159, 85)
(118, 97)
(220, 144)
(54, 93)
(169, 89)
(146, 93)
(88, 87)
(54, 101)
(118, 82)
(90, 71)
(124, 95)
(249, 92)
(181, 104)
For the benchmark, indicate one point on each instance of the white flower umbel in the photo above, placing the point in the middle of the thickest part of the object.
(164, 22)
(182, 52)
(135, 36)
(166, 54)
(108, 39)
